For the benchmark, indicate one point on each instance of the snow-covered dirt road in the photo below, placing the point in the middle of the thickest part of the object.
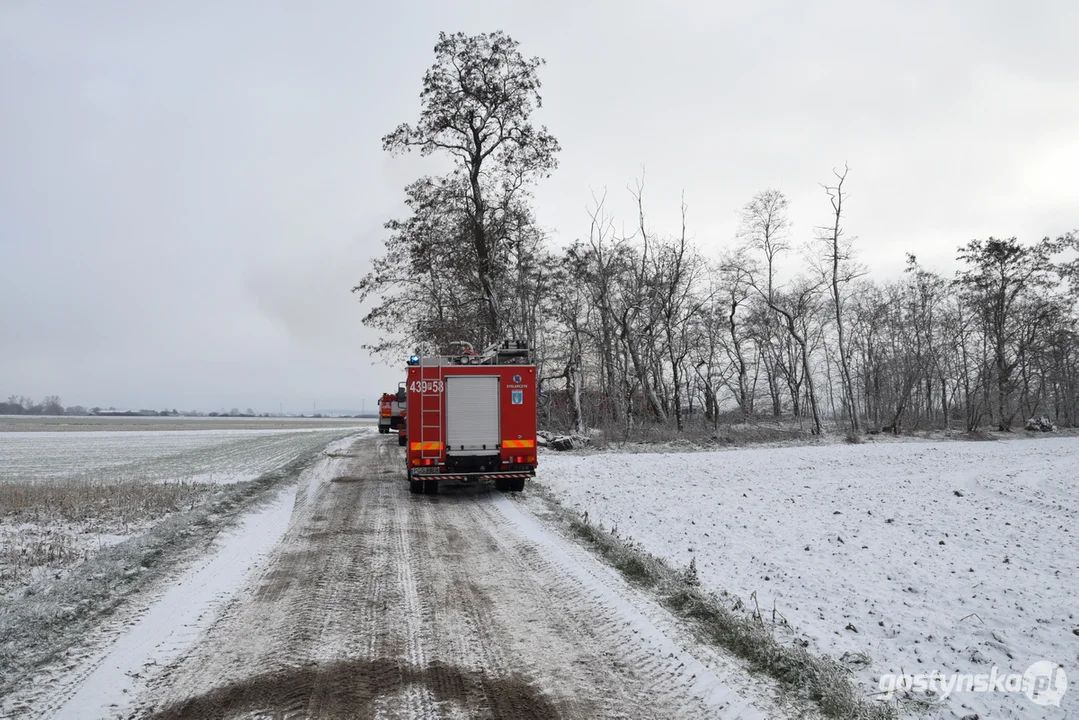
(379, 603)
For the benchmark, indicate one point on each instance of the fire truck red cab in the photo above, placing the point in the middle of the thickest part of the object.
(472, 417)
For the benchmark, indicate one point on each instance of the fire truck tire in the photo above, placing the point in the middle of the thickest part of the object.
(517, 484)
(502, 484)
(382, 430)
(401, 439)
(430, 487)
(415, 486)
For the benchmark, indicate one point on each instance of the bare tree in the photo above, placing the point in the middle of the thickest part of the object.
(796, 307)
(736, 288)
(607, 261)
(570, 308)
(840, 270)
(635, 307)
(676, 267)
(764, 230)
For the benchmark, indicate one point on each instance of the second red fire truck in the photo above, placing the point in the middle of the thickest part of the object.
(392, 410)
(471, 417)
(385, 412)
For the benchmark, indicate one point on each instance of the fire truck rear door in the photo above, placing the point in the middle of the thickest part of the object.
(473, 424)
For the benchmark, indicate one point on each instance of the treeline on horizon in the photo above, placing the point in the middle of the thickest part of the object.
(52, 405)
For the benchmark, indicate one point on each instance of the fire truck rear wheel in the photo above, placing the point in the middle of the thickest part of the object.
(502, 484)
(415, 486)
(517, 484)
(401, 439)
(430, 487)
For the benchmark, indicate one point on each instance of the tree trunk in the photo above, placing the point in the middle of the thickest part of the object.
(740, 363)
(848, 385)
(483, 253)
(642, 372)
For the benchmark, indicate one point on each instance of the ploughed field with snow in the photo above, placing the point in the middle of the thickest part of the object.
(952, 556)
(65, 493)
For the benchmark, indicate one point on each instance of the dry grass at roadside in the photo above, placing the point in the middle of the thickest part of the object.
(113, 503)
(47, 526)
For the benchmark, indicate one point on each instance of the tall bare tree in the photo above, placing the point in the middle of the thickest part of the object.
(676, 267)
(635, 314)
(765, 231)
(840, 270)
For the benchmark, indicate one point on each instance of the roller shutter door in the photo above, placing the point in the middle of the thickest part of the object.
(472, 414)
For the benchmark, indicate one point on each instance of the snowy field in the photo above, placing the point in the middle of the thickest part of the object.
(69, 423)
(218, 454)
(66, 494)
(948, 556)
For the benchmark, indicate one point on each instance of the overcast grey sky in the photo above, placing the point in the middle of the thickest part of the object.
(188, 190)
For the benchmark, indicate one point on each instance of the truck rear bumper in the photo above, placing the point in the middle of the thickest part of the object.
(467, 477)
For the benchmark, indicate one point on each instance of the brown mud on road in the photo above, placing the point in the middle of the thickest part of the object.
(380, 603)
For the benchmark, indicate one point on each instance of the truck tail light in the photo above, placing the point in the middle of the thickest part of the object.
(531, 458)
(520, 459)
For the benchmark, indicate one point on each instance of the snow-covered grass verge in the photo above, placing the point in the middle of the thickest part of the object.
(66, 495)
(46, 527)
(722, 621)
(895, 558)
(42, 619)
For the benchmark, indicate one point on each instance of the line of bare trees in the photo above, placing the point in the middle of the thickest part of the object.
(647, 331)
(639, 329)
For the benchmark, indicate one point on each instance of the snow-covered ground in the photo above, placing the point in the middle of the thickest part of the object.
(216, 455)
(947, 556)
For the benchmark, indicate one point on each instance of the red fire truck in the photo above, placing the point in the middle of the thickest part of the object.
(472, 417)
(385, 412)
(391, 410)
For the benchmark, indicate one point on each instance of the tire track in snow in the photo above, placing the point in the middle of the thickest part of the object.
(380, 603)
